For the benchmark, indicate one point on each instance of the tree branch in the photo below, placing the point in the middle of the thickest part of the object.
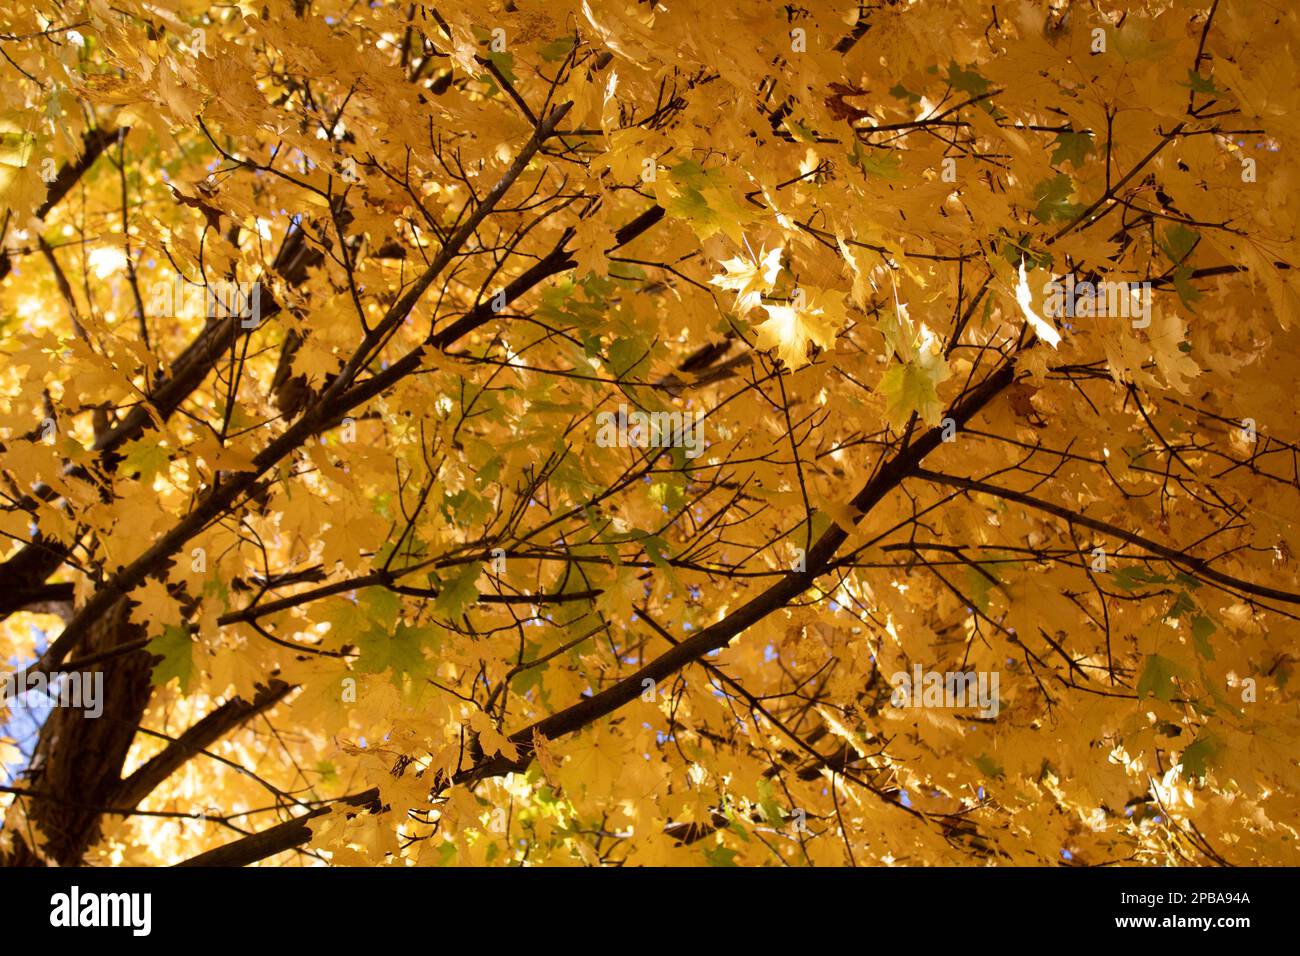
(295, 832)
(197, 738)
(1198, 566)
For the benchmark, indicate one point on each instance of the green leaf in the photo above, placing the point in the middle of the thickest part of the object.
(884, 165)
(458, 592)
(1201, 754)
(1158, 678)
(217, 588)
(914, 387)
(1016, 251)
(989, 767)
(530, 677)
(1183, 604)
(1071, 147)
(1187, 292)
(402, 651)
(1201, 84)
(690, 204)
(721, 856)
(382, 607)
(1178, 241)
(176, 649)
(628, 357)
(1135, 576)
(967, 81)
(505, 63)
(146, 457)
(1202, 628)
(800, 132)
(705, 200)
(670, 492)
(657, 550)
(737, 829)
(772, 812)
(978, 585)
(1053, 200)
(903, 93)
(556, 50)
(691, 179)
(406, 649)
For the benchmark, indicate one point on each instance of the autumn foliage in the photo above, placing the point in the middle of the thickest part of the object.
(557, 432)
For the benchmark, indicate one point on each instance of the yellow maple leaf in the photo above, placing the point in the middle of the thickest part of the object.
(749, 278)
(154, 606)
(789, 327)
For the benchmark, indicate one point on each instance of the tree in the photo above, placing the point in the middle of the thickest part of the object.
(639, 433)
